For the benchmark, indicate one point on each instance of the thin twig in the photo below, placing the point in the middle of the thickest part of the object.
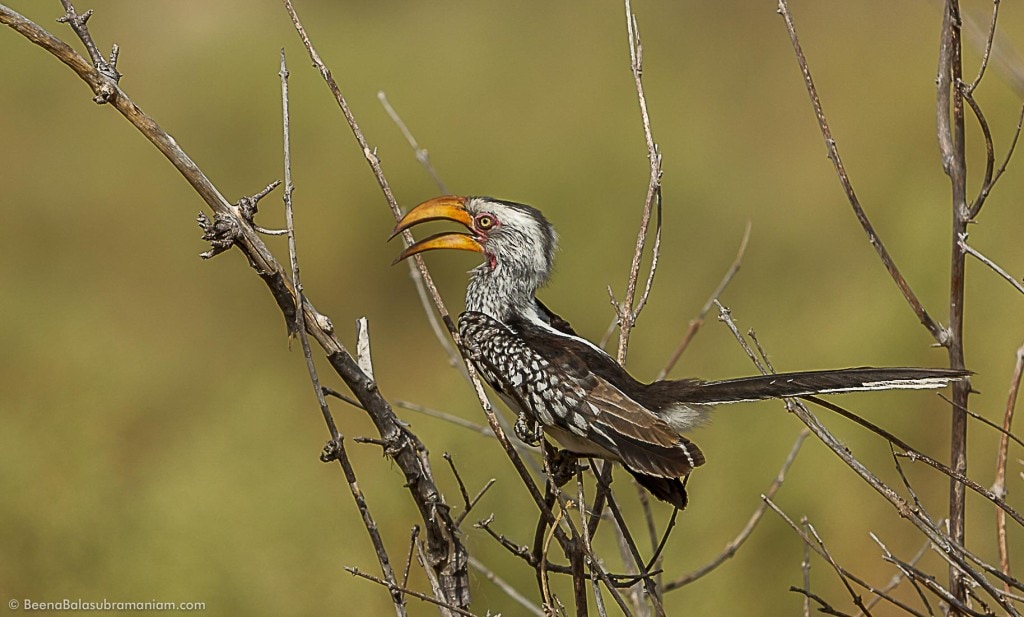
(952, 549)
(518, 550)
(808, 542)
(410, 592)
(857, 600)
(962, 242)
(823, 606)
(337, 441)
(627, 315)
(653, 594)
(585, 533)
(78, 22)
(805, 567)
(466, 499)
(509, 590)
(734, 545)
(999, 486)
(698, 321)
(421, 289)
(369, 154)
(986, 422)
(937, 331)
(989, 40)
(900, 576)
(413, 535)
(916, 455)
(447, 417)
(421, 153)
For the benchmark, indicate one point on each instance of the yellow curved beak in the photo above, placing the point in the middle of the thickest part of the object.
(447, 207)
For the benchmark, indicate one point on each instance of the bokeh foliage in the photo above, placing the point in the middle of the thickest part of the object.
(159, 438)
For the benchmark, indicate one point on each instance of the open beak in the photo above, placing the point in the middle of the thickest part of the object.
(448, 208)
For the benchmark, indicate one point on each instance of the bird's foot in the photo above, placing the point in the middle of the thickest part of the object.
(527, 430)
(562, 464)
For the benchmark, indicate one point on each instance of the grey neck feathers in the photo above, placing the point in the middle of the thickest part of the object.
(502, 291)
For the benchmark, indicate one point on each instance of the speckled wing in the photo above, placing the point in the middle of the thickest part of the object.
(540, 371)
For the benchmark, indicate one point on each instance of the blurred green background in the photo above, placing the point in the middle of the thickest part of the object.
(159, 438)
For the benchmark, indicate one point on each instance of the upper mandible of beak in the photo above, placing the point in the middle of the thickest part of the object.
(447, 207)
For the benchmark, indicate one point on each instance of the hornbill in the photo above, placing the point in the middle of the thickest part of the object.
(561, 384)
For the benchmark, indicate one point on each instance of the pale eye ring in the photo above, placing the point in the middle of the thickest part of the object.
(485, 222)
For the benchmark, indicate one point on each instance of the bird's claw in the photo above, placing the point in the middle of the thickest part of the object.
(562, 464)
(527, 430)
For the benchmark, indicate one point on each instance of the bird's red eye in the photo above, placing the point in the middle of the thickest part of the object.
(485, 222)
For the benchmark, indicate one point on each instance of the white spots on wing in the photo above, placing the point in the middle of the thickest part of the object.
(553, 399)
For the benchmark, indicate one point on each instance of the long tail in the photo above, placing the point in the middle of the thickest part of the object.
(803, 383)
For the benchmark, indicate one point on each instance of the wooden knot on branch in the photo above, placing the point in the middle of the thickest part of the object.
(221, 233)
(248, 206)
(330, 452)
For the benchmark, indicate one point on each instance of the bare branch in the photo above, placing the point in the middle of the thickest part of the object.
(627, 315)
(805, 568)
(414, 271)
(951, 548)
(447, 553)
(414, 534)
(857, 600)
(448, 608)
(951, 136)
(900, 576)
(990, 38)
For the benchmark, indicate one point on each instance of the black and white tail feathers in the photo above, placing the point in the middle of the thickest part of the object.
(803, 383)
